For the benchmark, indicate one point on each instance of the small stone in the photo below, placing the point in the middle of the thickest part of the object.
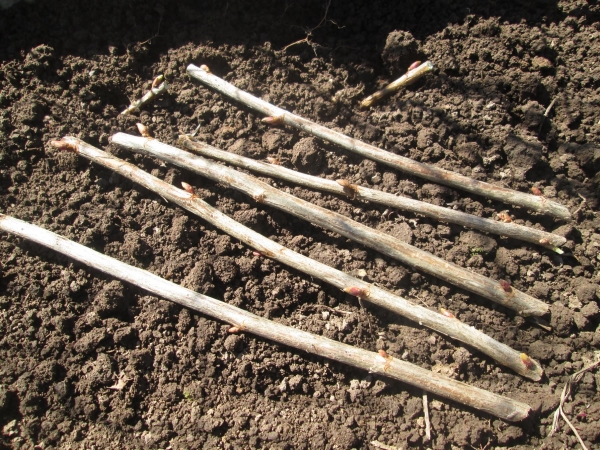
(541, 63)
(590, 310)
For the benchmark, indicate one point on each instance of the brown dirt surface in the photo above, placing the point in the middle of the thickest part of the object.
(89, 362)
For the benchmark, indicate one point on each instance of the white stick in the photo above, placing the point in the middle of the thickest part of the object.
(409, 77)
(407, 165)
(159, 86)
(548, 240)
(444, 324)
(480, 399)
(499, 292)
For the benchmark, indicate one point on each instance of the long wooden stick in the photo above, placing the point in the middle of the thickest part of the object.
(539, 237)
(480, 399)
(407, 165)
(501, 293)
(446, 325)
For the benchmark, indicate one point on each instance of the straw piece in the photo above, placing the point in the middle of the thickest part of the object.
(407, 165)
(426, 414)
(538, 237)
(159, 86)
(486, 401)
(409, 77)
(566, 392)
(353, 286)
(384, 243)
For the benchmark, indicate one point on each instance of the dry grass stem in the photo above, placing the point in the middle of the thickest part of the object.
(426, 414)
(354, 286)
(382, 242)
(383, 446)
(409, 77)
(427, 171)
(566, 392)
(480, 399)
(159, 86)
(527, 234)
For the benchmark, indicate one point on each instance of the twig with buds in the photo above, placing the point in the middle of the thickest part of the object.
(159, 86)
(384, 243)
(343, 187)
(502, 407)
(351, 285)
(407, 165)
(415, 71)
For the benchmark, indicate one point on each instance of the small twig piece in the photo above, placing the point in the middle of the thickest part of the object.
(574, 379)
(409, 77)
(548, 109)
(427, 171)
(159, 86)
(426, 414)
(419, 259)
(497, 405)
(344, 187)
(268, 248)
(383, 446)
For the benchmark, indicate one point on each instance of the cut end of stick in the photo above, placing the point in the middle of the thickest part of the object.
(63, 145)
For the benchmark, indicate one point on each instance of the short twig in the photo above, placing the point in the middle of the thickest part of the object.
(548, 109)
(333, 221)
(566, 392)
(409, 77)
(159, 86)
(510, 229)
(426, 414)
(427, 171)
(383, 446)
(477, 398)
(354, 286)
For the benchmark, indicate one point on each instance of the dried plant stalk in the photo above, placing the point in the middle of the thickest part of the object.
(159, 86)
(384, 243)
(407, 165)
(539, 237)
(480, 399)
(354, 286)
(409, 77)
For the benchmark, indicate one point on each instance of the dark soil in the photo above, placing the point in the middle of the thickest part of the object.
(89, 362)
